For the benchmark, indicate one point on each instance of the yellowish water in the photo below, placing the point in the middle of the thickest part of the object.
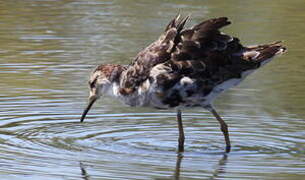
(49, 47)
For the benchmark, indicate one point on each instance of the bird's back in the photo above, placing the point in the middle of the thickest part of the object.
(190, 67)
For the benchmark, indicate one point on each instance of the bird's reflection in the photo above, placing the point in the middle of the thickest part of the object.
(84, 173)
(219, 168)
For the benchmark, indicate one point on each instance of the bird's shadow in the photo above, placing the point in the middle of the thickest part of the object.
(219, 168)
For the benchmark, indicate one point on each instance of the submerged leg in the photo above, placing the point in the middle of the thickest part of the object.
(223, 127)
(181, 132)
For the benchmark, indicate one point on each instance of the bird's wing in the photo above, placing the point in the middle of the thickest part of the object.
(204, 49)
(212, 57)
(201, 52)
(158, 52)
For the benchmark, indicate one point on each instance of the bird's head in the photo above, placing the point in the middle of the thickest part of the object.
(100, 83)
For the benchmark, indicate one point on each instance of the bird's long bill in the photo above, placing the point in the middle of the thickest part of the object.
(91, 102)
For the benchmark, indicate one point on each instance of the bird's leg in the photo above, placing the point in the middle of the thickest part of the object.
(178, 166)
(181, 132)
(223, 127)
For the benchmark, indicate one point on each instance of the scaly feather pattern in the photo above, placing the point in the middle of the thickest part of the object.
(185, 67)
(202, 55)
(158, 52)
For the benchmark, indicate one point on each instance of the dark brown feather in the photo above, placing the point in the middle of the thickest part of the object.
(156, 53)
(201, 52)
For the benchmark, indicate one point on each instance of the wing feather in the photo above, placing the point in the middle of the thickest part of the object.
(156, 53)
(201, 52)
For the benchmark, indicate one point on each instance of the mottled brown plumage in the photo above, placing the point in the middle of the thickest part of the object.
(185, 67)
(200, 52)
(158, 52)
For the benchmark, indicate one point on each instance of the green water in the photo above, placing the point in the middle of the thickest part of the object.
(49, 47)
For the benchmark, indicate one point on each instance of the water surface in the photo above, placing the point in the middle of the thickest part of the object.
(48, 48)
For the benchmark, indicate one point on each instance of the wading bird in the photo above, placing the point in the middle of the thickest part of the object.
(185, 67)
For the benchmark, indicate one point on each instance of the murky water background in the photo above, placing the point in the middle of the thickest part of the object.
(49, 47)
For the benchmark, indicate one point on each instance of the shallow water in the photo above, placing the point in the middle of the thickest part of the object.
(48, 49)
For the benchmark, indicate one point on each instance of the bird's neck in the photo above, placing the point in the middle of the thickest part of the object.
(114, 78)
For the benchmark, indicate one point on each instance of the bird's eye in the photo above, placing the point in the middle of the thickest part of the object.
(92, 84)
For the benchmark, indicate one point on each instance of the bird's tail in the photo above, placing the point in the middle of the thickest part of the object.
(263, 53)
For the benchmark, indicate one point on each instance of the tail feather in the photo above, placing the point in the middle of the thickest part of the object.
(264, 52)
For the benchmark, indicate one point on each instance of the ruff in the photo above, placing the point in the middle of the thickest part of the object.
(185, 67)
